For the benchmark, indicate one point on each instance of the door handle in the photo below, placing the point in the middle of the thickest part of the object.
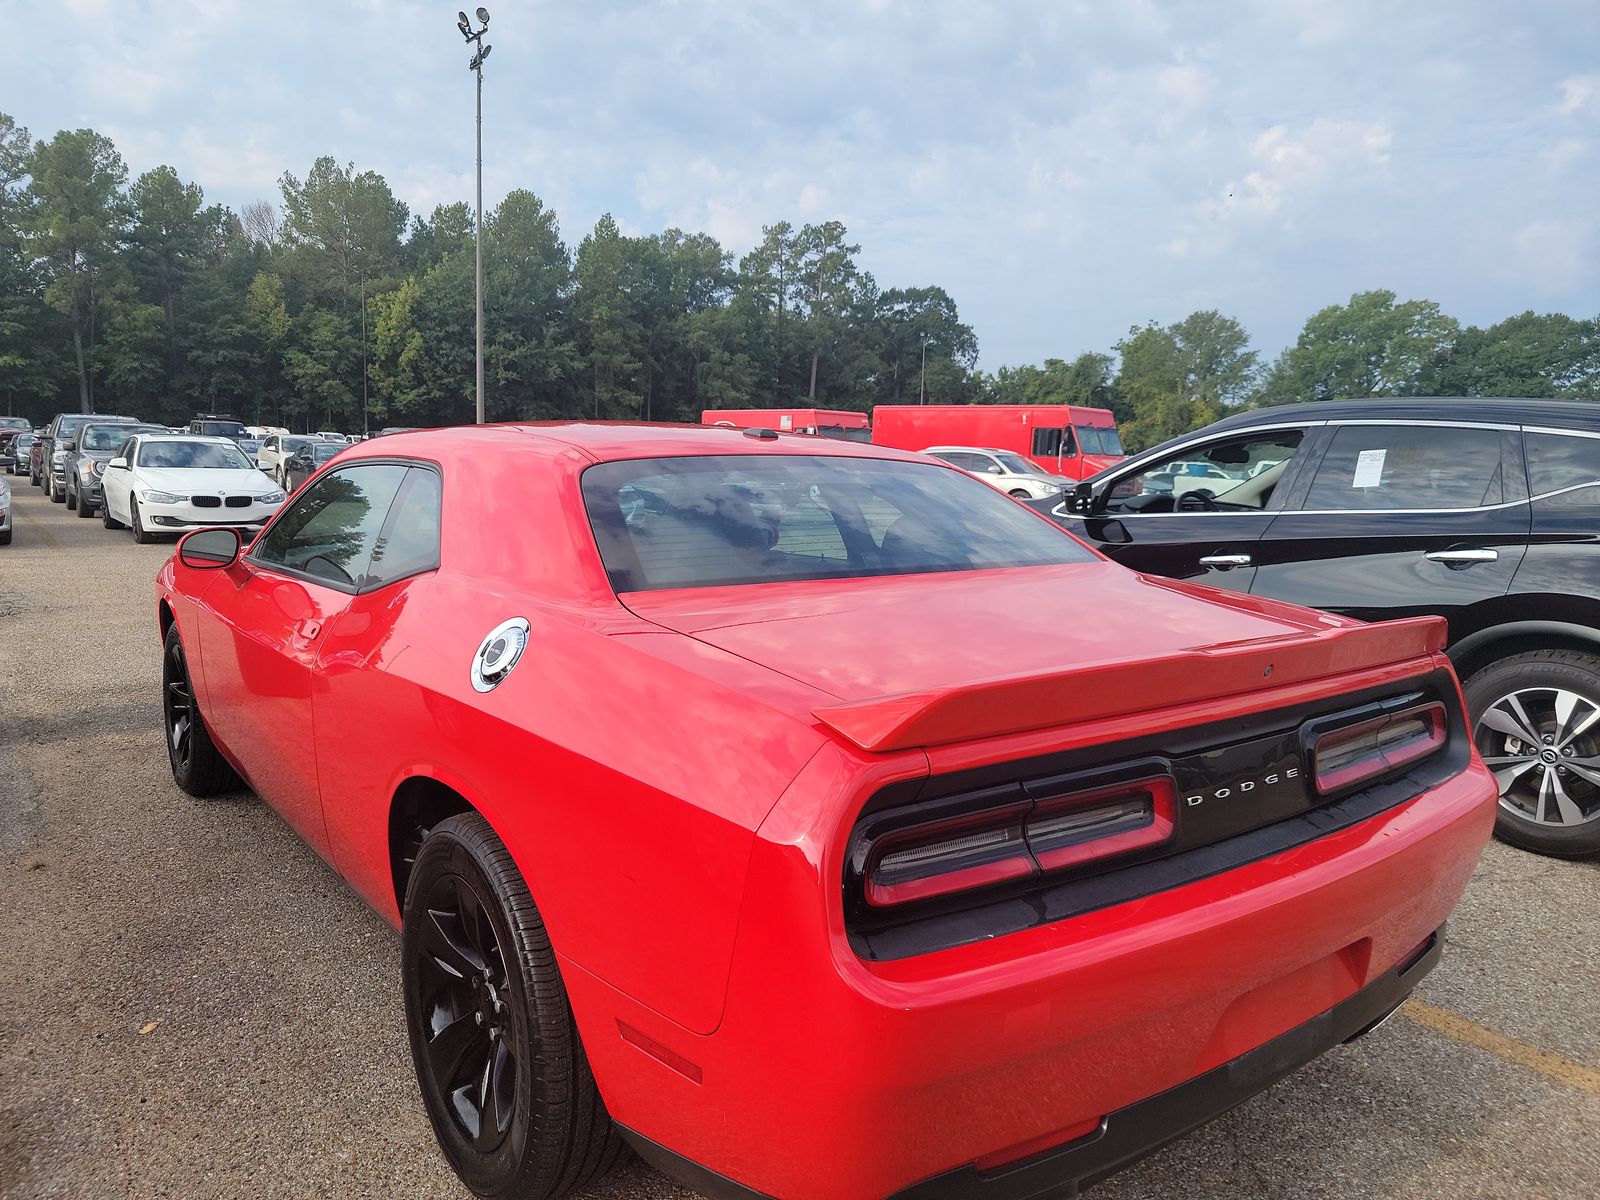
(1226, 562)
(1462, 558)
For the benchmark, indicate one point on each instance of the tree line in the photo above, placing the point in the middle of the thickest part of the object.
(333, 306)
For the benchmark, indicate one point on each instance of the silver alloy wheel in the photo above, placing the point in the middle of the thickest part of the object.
(1543, 745)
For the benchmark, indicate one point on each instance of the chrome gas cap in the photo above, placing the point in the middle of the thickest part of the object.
(499, 653)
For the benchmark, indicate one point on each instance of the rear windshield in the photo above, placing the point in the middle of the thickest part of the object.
(704, 522)
(193, 455)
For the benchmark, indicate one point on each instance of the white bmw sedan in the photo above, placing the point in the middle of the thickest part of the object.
(172, 483)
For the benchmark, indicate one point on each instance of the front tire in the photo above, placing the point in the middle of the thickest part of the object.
(55, 493)
(72, 500)
(503, 1075)
(106, 518)
(197, 766)
(1536, 721)
(85, 509)
(139, 534)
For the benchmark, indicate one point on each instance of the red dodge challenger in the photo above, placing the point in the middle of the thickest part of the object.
(811, 817)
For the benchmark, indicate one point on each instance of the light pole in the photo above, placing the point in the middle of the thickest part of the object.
(476, 66)
(922, 384)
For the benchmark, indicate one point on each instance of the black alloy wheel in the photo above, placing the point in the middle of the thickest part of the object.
(503, 1075)
(106, 518)
(1537, 726)
(197, 766)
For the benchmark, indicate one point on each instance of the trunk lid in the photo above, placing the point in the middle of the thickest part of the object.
(929, 659)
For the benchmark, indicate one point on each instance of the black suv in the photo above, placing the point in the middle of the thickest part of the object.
(1485, 512)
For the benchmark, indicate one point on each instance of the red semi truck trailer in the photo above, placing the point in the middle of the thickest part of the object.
(1064, 439)
(843, 424)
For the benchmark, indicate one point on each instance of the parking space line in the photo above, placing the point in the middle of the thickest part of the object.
(1470, 1033)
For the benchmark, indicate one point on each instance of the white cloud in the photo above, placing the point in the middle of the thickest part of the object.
(1291, 165)
(1579, 94)
(1565, 154)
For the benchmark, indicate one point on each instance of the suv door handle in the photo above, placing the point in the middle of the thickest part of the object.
(1226, 562)
(1462, 558)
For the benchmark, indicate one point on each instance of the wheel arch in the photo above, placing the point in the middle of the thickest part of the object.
(165, 617)
(1477, 650)
(418, 804)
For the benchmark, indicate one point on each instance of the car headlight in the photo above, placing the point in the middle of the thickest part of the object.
(150, 497)
(270, 498)
(1051, 489)
(57, 457)
(88, 470)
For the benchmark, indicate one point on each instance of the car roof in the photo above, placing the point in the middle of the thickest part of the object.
(1507, 410)
(967, 450)
(608, 441)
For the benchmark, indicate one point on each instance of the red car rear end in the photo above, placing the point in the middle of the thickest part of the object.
(882, 840)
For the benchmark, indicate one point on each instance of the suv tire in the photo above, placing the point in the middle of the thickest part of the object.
(1536, 721)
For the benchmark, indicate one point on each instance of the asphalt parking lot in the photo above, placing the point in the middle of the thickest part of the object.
(191, 1005)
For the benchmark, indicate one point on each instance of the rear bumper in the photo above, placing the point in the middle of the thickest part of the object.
(975, 1071)
(1130, 1133)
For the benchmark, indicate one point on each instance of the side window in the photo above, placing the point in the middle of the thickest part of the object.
(1565, 471)
(1237, 474)
(967, 462)
(409, 543)
(1375, 468)
(127, 450)
(330, 530)
(1053, 442)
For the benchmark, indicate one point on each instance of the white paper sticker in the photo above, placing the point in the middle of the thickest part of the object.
(1369, 469)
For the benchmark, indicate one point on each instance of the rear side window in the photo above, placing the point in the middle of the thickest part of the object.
(1562, 470)
(331, 528)
(1386, 467)
(409, 542)
(1053, 443)
(741, 519)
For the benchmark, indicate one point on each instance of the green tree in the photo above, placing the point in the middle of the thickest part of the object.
(531, 350)
(74, 225)
(173, 237)
(1530, 354)
(609, 332)
(1372, 346)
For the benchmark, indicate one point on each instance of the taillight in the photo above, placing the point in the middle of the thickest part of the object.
(936, 858)
(1073, 830)
(1343, 758)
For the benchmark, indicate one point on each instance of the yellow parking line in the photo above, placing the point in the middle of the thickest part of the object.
(1458, 1028)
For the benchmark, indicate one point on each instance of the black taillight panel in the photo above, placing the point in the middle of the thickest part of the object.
(1036, 841)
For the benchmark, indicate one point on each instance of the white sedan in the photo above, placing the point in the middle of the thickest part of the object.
(172, 483)
(1003, 470)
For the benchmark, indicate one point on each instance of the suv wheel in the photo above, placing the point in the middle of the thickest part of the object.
(1537, 725)
(72, 499)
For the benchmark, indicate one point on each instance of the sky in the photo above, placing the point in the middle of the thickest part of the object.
(1065, 169)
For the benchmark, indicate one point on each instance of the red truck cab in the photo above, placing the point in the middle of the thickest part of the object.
(1064, 439)
(835, 423)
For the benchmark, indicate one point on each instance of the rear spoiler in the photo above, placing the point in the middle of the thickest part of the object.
(1043, 699)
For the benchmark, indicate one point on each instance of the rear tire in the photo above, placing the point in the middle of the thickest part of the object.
(1536, 721)
(197, 766)
(502, 1072)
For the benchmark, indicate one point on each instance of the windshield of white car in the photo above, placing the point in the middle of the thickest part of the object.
(205, 456)
(738, 519)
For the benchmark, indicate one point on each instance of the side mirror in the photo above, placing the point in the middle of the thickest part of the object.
(1082, 501)
(120, 463)
(210, 549)
(995, 469)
